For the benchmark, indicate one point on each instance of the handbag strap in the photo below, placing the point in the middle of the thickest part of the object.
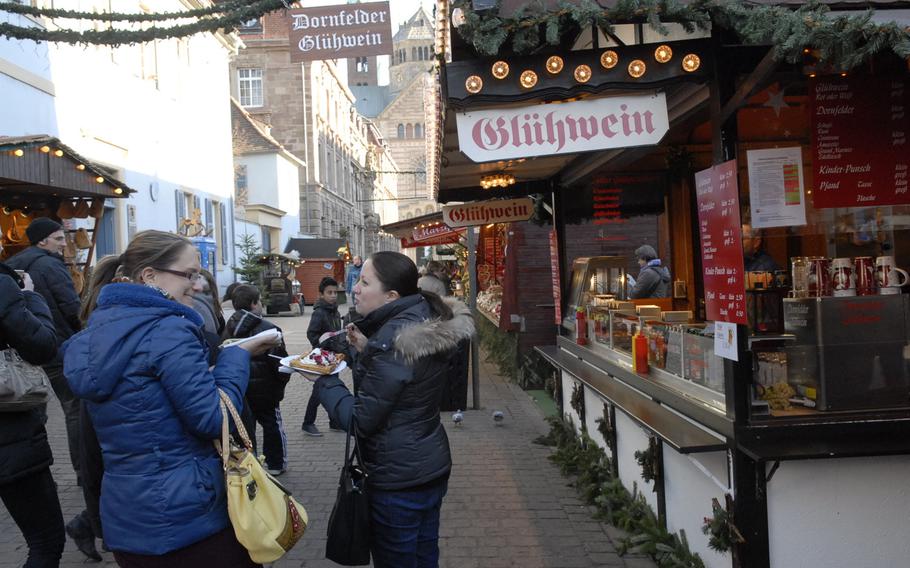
(227, 407)
(348, 454)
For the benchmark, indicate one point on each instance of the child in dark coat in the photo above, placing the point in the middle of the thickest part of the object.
(325, 319)
(266, 388)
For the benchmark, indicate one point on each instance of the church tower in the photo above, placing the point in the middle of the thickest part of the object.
(413, 51)
(362, 71)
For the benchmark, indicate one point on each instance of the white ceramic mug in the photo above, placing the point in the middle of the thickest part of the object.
(843, 280)
(887, 275)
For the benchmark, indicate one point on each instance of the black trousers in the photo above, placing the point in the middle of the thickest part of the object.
(33, 504)
(221, 549)
(92, 464)
(70, 405)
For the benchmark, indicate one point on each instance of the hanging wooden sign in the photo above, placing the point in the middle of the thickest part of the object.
(485, 212)
(345, 30)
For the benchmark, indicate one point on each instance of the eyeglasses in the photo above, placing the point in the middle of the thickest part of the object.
(191, 276)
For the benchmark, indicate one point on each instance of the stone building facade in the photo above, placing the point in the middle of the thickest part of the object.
(310, 111)
(399, 110)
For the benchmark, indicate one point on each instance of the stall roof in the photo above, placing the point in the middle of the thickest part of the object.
(315, 249)
(41, 164)
(405, 227)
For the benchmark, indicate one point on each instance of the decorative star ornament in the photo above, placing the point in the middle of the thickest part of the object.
(776, 101)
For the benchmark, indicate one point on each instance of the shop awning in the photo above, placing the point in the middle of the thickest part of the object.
(42, 165)
(424, 231)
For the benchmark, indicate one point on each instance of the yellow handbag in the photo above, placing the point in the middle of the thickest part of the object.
(267, 520)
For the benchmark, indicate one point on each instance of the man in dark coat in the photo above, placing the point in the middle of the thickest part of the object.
(44, 263)
(755, 259)
(653, 279)
(26, 485)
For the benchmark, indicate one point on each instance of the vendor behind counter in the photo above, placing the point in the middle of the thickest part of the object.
(653, 279)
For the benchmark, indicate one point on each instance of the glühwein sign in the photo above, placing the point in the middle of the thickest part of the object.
(346, 30)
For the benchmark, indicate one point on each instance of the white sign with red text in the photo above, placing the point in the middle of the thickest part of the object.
(485, 212)
(578, 126)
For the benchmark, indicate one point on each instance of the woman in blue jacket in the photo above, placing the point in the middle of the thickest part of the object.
(141, 365)
(406, 344)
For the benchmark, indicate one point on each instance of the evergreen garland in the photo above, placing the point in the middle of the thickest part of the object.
(225, 16)
(647, 460)
(722, 533)
(843, 41)
(605, 427)
(578, 402)
(581, 457)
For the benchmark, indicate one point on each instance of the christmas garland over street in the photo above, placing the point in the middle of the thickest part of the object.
(224, 16)
(842, 41)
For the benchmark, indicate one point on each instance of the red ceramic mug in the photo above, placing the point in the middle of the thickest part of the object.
(864, 274)
(819, 277)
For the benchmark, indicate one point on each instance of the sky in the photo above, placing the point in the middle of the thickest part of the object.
(401, 11)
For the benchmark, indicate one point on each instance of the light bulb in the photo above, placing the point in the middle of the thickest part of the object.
(663, 53)
(582, 73)
(528, 79)
(500, 70)
(637, 68)
(609, 59)
(691, 62)
(45, 149)
(474, 84)
(554, 64)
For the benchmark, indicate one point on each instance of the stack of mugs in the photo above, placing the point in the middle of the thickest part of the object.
(816, 276)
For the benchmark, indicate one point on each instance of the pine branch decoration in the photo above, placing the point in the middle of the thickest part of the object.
(843, 41)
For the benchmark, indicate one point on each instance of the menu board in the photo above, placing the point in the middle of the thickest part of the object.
(860, 126)
(717, 196)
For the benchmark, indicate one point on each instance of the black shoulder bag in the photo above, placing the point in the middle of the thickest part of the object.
(348, 541)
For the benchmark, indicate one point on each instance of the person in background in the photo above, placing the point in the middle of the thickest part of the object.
(432, 280)
(406, 344)
(44, 262)
(755, 259)
(267, 383)
(27, 487)
(207, 304)
(351, 280)
(325, 319)
(653, 279)
(230, 291)
(141, 365)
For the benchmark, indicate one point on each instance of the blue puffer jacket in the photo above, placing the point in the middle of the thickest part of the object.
(141, 363)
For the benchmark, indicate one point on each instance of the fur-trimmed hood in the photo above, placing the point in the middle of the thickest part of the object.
(436, 335)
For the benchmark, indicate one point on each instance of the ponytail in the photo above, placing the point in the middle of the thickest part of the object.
(103, 273)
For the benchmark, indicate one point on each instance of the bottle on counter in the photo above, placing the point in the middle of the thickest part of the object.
(581, 326)
(639, 352)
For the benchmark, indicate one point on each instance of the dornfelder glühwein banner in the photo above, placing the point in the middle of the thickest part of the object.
(486, 212)
(345, 30)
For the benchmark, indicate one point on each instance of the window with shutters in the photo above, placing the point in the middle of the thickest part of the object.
(180, 207)
(209, 220)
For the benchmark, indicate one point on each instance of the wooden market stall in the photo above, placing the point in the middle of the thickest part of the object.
(317, 259)
(774, 380)
(42, 177)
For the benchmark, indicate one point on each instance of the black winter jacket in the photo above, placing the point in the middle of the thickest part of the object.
(54, 283)
(325, 318)
(401, 375)
(26, 325)
(266, 383)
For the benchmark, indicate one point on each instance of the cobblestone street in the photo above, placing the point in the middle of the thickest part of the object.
(507, 505)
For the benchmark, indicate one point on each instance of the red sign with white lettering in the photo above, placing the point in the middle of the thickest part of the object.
(717, 196)
(554, 275)
(860, 128)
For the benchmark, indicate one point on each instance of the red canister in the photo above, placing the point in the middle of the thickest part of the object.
(864, 273)
(819, 277)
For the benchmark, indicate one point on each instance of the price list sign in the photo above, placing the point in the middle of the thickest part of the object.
(717, 196)
(860, 128)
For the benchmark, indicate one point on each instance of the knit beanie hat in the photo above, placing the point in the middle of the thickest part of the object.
(646, 252)
(41, 228)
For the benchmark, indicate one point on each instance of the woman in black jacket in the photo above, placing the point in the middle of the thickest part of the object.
(26, 485)
(406, 343)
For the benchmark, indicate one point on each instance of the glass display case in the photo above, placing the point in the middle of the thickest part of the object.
(680, 353)
(596, 280)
